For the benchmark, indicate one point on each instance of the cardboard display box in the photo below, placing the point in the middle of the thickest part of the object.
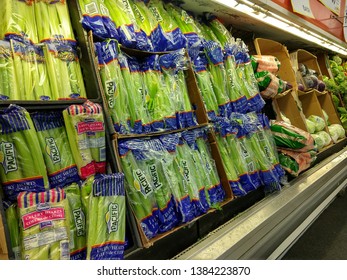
(144, 242)
(323, 62)
(3, 245)
(289, 106)
(308, 59)
(312, 106)
(270, 47)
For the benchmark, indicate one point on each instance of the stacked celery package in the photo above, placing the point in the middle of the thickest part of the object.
(145, 94)
(170, 179)
(51, 133)
(85, 129)
(43, 52)
(103, 197)
(44, 225)
(22, 165)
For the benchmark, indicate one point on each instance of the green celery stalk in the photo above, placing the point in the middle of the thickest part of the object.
(64, 20)
(13, 227)
(54, 77)
(162, 16)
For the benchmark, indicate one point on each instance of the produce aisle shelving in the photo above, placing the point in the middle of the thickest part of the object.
(254, 226)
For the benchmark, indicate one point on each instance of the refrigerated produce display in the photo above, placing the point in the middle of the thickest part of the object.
(161, 129)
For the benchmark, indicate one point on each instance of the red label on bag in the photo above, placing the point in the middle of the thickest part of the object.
(84, 127)
(38, 217)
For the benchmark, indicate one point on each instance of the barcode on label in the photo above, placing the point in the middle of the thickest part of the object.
(91, 8)
(64, 250)
(103, 154)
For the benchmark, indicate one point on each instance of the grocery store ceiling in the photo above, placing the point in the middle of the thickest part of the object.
(248, 28)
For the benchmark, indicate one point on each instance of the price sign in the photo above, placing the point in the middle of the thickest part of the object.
(302, 7)
(332, 5)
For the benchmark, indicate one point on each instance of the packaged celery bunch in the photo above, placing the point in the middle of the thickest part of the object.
(29, 65)
(104, 197)
(55, 147)
(64, 71)
(176, 172)
(77, 222)
(245, 71)
(11, 214)
(186, 23)
(219, 31)
(139, 192)
(150, 178)
(8, 81)
(22, 167)
(265, 154)
(197, 140)
(190, 166)
(85, 129)
(96, 18)
(166, 35)
(173, 66)
(113, 83)
(18, 21)
(159, 103)
(215, 57)
(44, 225)
(204, 82)
(239, 165)
(140, 120)
(53, 20)
(235, 89)
(130, 35)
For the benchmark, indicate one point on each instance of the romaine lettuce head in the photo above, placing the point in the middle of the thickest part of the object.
(318, 140)
(326, 137)
(311, 127)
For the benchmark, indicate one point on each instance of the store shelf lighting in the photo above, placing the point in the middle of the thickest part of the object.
(268, 17)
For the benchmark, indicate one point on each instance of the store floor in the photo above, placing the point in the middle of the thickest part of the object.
(326, 238)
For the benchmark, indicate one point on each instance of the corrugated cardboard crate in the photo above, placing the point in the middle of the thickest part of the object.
(323, 62)
(3, 244)
(307, 58)
(312, 106)
(270, 47)
(290, 106)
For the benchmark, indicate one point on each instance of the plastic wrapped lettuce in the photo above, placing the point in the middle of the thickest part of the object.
(325, 136)
(267, 63)
(318, 140)
(336, 131)
(318, 121)
(311, 126)
(284, 118)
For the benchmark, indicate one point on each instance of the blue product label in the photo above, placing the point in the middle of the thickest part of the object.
(239, 105)
(143, 43)
(176, 40)
(111, 28)
(181, 120)
(280, 171)
(170, 123)
(136, 128)
(216, 194)
(267, 177)
(201, 205)
(127, 36)
(255, 103)
(4, 97)
(192, 39)
(159, 39)
(64, 177)
(12, 189)
(96, 25)
(211, 115)
(168, 217)
(190, 118)
(223, 110)
(247, 183)
(157, 126)
(146, 128)
(79, 255)
(236, 188)
(150, 225)
(108, 251)
(185, 210)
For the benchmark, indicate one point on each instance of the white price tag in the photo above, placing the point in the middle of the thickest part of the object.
(302, 7)
(332, 5)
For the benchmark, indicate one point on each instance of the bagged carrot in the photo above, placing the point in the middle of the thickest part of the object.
(106, 218)
(22, 167)
(61, 167)
(44, 225)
